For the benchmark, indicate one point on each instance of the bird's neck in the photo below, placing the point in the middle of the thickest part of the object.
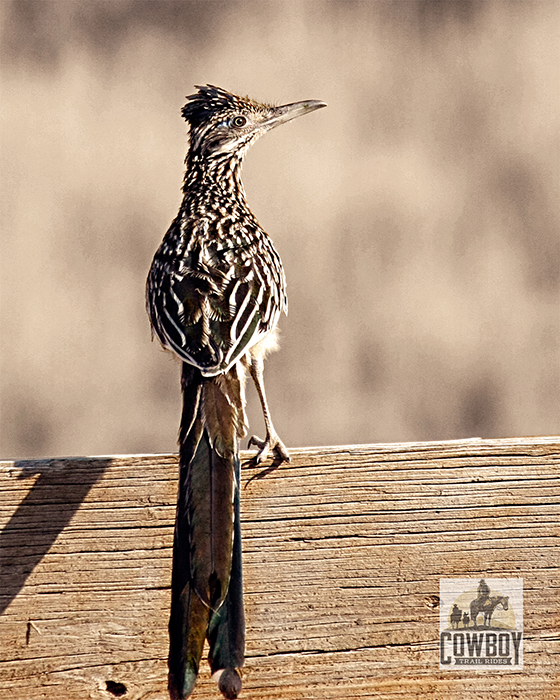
(213, 181)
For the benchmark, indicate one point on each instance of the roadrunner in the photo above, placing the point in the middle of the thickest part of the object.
(215, 292)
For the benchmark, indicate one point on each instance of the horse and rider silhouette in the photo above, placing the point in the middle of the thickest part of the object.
(484, 603)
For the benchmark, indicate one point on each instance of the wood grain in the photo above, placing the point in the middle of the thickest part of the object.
(343, 548)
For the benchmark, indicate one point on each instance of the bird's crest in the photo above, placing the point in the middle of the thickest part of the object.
(211, 99)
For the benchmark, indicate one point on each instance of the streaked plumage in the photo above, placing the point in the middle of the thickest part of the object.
(215, 292)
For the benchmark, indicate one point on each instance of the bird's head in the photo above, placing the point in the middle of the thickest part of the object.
(224, 124)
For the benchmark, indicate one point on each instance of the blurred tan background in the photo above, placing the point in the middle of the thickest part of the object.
(417, 216)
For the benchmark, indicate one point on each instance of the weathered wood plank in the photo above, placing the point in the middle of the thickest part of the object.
(343, 549)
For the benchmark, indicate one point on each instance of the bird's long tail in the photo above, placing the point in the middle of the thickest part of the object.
(207, 591)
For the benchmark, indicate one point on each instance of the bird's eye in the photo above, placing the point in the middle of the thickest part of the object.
(239, 121)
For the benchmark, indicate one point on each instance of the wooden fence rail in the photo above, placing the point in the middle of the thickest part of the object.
(344, 549)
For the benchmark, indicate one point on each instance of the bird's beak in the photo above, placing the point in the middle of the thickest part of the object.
(286, 113)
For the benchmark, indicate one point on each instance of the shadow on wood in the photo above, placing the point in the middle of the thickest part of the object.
(344, 549)
(41, 516)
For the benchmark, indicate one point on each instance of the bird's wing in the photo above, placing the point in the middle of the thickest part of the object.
(218, 303)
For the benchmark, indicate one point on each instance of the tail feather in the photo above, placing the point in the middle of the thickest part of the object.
(206, 584)
(187, 630)
(226, 631)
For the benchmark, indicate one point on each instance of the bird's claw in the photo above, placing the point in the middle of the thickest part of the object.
(271, 443)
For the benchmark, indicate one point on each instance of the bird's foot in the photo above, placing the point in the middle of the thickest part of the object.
(271, 443)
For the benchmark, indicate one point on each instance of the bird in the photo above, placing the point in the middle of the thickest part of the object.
(214, 294)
